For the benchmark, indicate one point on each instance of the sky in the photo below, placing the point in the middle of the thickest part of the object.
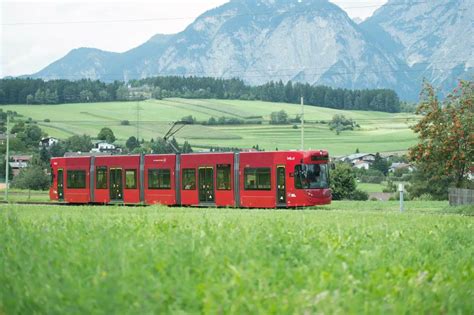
(34, 33)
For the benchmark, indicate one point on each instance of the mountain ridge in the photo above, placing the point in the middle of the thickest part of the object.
(310, 41)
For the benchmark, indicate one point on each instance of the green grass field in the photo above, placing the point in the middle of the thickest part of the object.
(349, 257)
(379, 131)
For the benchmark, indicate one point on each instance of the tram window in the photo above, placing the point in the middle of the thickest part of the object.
(189, 179)
(101, 177)
(223, 177)
(257, 179)
(76, 179)
(130, 179)
(159, 179)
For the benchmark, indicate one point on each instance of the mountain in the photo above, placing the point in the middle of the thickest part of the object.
(310, 41)
(434, 38)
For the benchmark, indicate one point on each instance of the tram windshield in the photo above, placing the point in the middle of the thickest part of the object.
(311, 176)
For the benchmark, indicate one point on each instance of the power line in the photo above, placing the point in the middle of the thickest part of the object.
(264, 13)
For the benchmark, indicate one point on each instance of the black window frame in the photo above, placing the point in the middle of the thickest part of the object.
(69, 175)
(258, 171)
(160, 172)
(101, 169)
(221, 167)
(183, 176)
(135, 179)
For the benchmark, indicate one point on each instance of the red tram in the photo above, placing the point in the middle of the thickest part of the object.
(247, 179)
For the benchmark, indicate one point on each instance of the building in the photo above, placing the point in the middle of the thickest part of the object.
(400, 166)
(48, 142)
(361, 164)
(105, 147)
(19, 162)
(353, 158)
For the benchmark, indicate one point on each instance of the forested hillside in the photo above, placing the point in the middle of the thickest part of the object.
(38, 91)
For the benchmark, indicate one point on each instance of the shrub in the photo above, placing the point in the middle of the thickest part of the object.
(424, 197)
(125, 122)
(47, 120)
(359, 195)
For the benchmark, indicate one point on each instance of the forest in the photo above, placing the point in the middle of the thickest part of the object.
(38, 91)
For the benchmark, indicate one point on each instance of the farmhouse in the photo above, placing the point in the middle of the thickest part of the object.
(48, 142)
(353, 158)
(400, 166)
(19, 162)
(105, 147)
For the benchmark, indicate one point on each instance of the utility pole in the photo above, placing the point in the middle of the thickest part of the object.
(138, 122)
(302, 123)
(7, 157)
(401, 190)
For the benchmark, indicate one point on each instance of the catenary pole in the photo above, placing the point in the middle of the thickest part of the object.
(7, 157)
(302, 123)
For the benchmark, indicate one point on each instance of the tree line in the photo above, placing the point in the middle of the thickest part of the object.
(38, 91)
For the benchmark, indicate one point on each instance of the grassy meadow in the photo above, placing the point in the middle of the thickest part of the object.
(348, 257)
(379, 131)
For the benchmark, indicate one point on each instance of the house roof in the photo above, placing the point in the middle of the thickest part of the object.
(21, 157)
(356, 156)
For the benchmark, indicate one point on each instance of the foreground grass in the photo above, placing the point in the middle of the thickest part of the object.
(61, 260)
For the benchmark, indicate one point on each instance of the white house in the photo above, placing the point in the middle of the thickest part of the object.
(48, 142)
(103, 147)
(353, 158)
(399, 166)
(361, 164)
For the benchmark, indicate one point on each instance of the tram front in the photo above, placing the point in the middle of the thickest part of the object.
(311, 178)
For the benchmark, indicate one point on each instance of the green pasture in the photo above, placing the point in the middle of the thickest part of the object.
(379, 131)
(346, 258)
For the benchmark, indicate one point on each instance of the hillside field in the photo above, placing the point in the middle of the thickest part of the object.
(349, 257)
(379, 131)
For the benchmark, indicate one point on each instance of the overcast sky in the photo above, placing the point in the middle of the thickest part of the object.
(35, 33)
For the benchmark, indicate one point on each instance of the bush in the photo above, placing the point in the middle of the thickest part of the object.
(125, 123)
(32, 178)
(47, 120)
(295, 127)
(343, 183)
(424, 197)
(371, 179)
(359, 195)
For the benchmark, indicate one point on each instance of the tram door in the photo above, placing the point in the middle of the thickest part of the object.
(281, 186)
(60, 185)
(206, 184)
(116, 184)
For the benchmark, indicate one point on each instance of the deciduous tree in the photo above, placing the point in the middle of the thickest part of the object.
(444, 151)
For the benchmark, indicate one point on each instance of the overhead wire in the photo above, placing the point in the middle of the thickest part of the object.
(264, 13)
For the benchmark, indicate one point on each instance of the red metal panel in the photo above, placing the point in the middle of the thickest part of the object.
(56, 164)
(160, 196)
(257, 198)
(74, 195)
(223, 198)
(124, 162)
